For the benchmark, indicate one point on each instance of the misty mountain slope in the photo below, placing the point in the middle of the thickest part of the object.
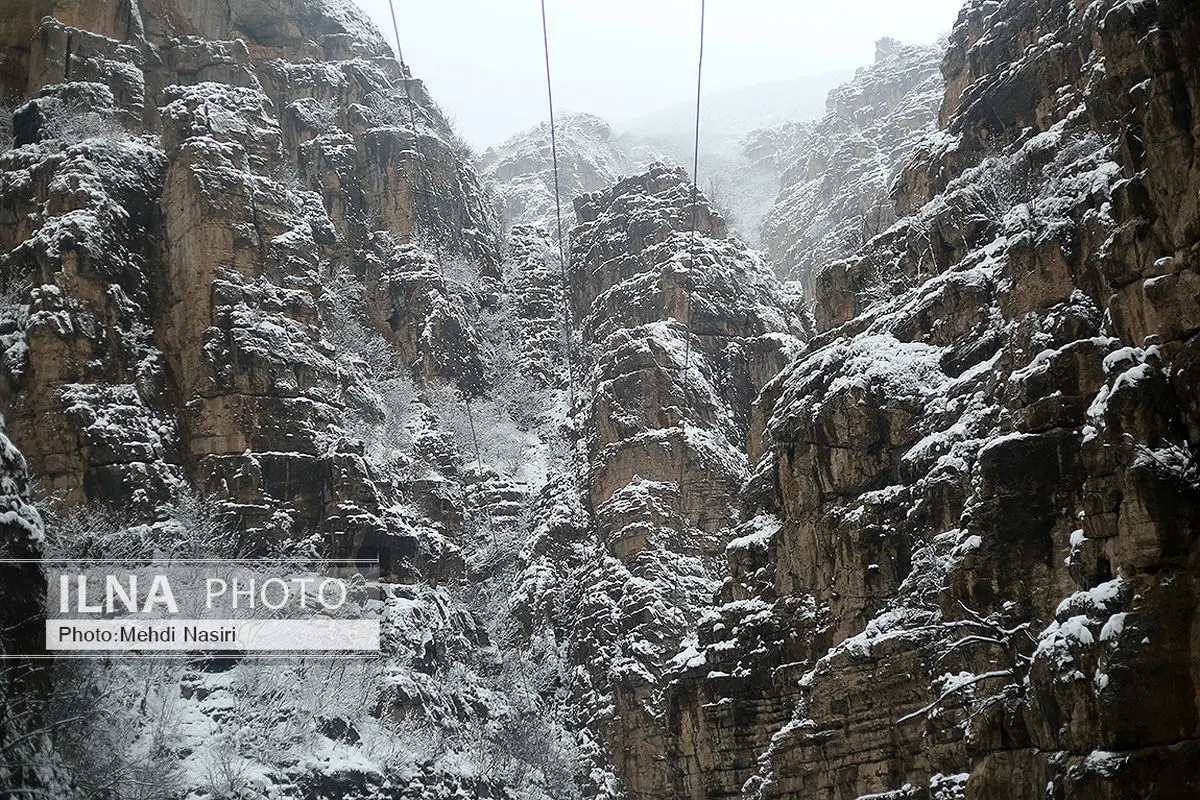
(974, 504)
(520, 173)
(726, 116)
(591, 157)
(735, 172)
(836, 176)
(732, 171)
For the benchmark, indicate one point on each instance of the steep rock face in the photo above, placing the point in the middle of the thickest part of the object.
(679, 334)
(974, 500)
(178, 234)
(245, 309)
(540, 297)
(836, 175)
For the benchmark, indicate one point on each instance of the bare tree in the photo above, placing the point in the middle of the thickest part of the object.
(995, 638)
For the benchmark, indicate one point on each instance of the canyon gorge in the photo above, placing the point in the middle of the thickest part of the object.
(891, 494)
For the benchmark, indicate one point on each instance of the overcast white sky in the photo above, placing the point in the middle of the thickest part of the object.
(482, 59)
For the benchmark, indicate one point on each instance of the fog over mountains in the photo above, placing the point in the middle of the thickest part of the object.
(730, 115)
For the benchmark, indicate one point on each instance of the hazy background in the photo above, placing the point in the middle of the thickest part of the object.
(624, 59)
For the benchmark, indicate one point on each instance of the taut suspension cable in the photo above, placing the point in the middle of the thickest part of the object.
(568, 336)
(562, 258)
(437, 245)
(692, 264)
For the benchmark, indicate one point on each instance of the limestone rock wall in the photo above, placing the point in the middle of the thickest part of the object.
(972, 537)
(675, 336)
(245, 312)
(184, 196)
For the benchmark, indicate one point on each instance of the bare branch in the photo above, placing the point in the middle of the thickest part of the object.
(957, 687)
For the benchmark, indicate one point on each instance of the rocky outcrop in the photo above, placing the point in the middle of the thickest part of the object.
(974, 498)
(177, 240)
(677, 335)
(836, 175)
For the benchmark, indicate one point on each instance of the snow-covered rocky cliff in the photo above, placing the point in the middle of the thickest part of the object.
(641, 534)
(971, 529)
(245, 307)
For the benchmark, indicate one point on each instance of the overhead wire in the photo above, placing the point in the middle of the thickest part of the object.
(426, 191)
(568, 334)
(521, 669)
(692, 252)
(692, 263)
(562, 258)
